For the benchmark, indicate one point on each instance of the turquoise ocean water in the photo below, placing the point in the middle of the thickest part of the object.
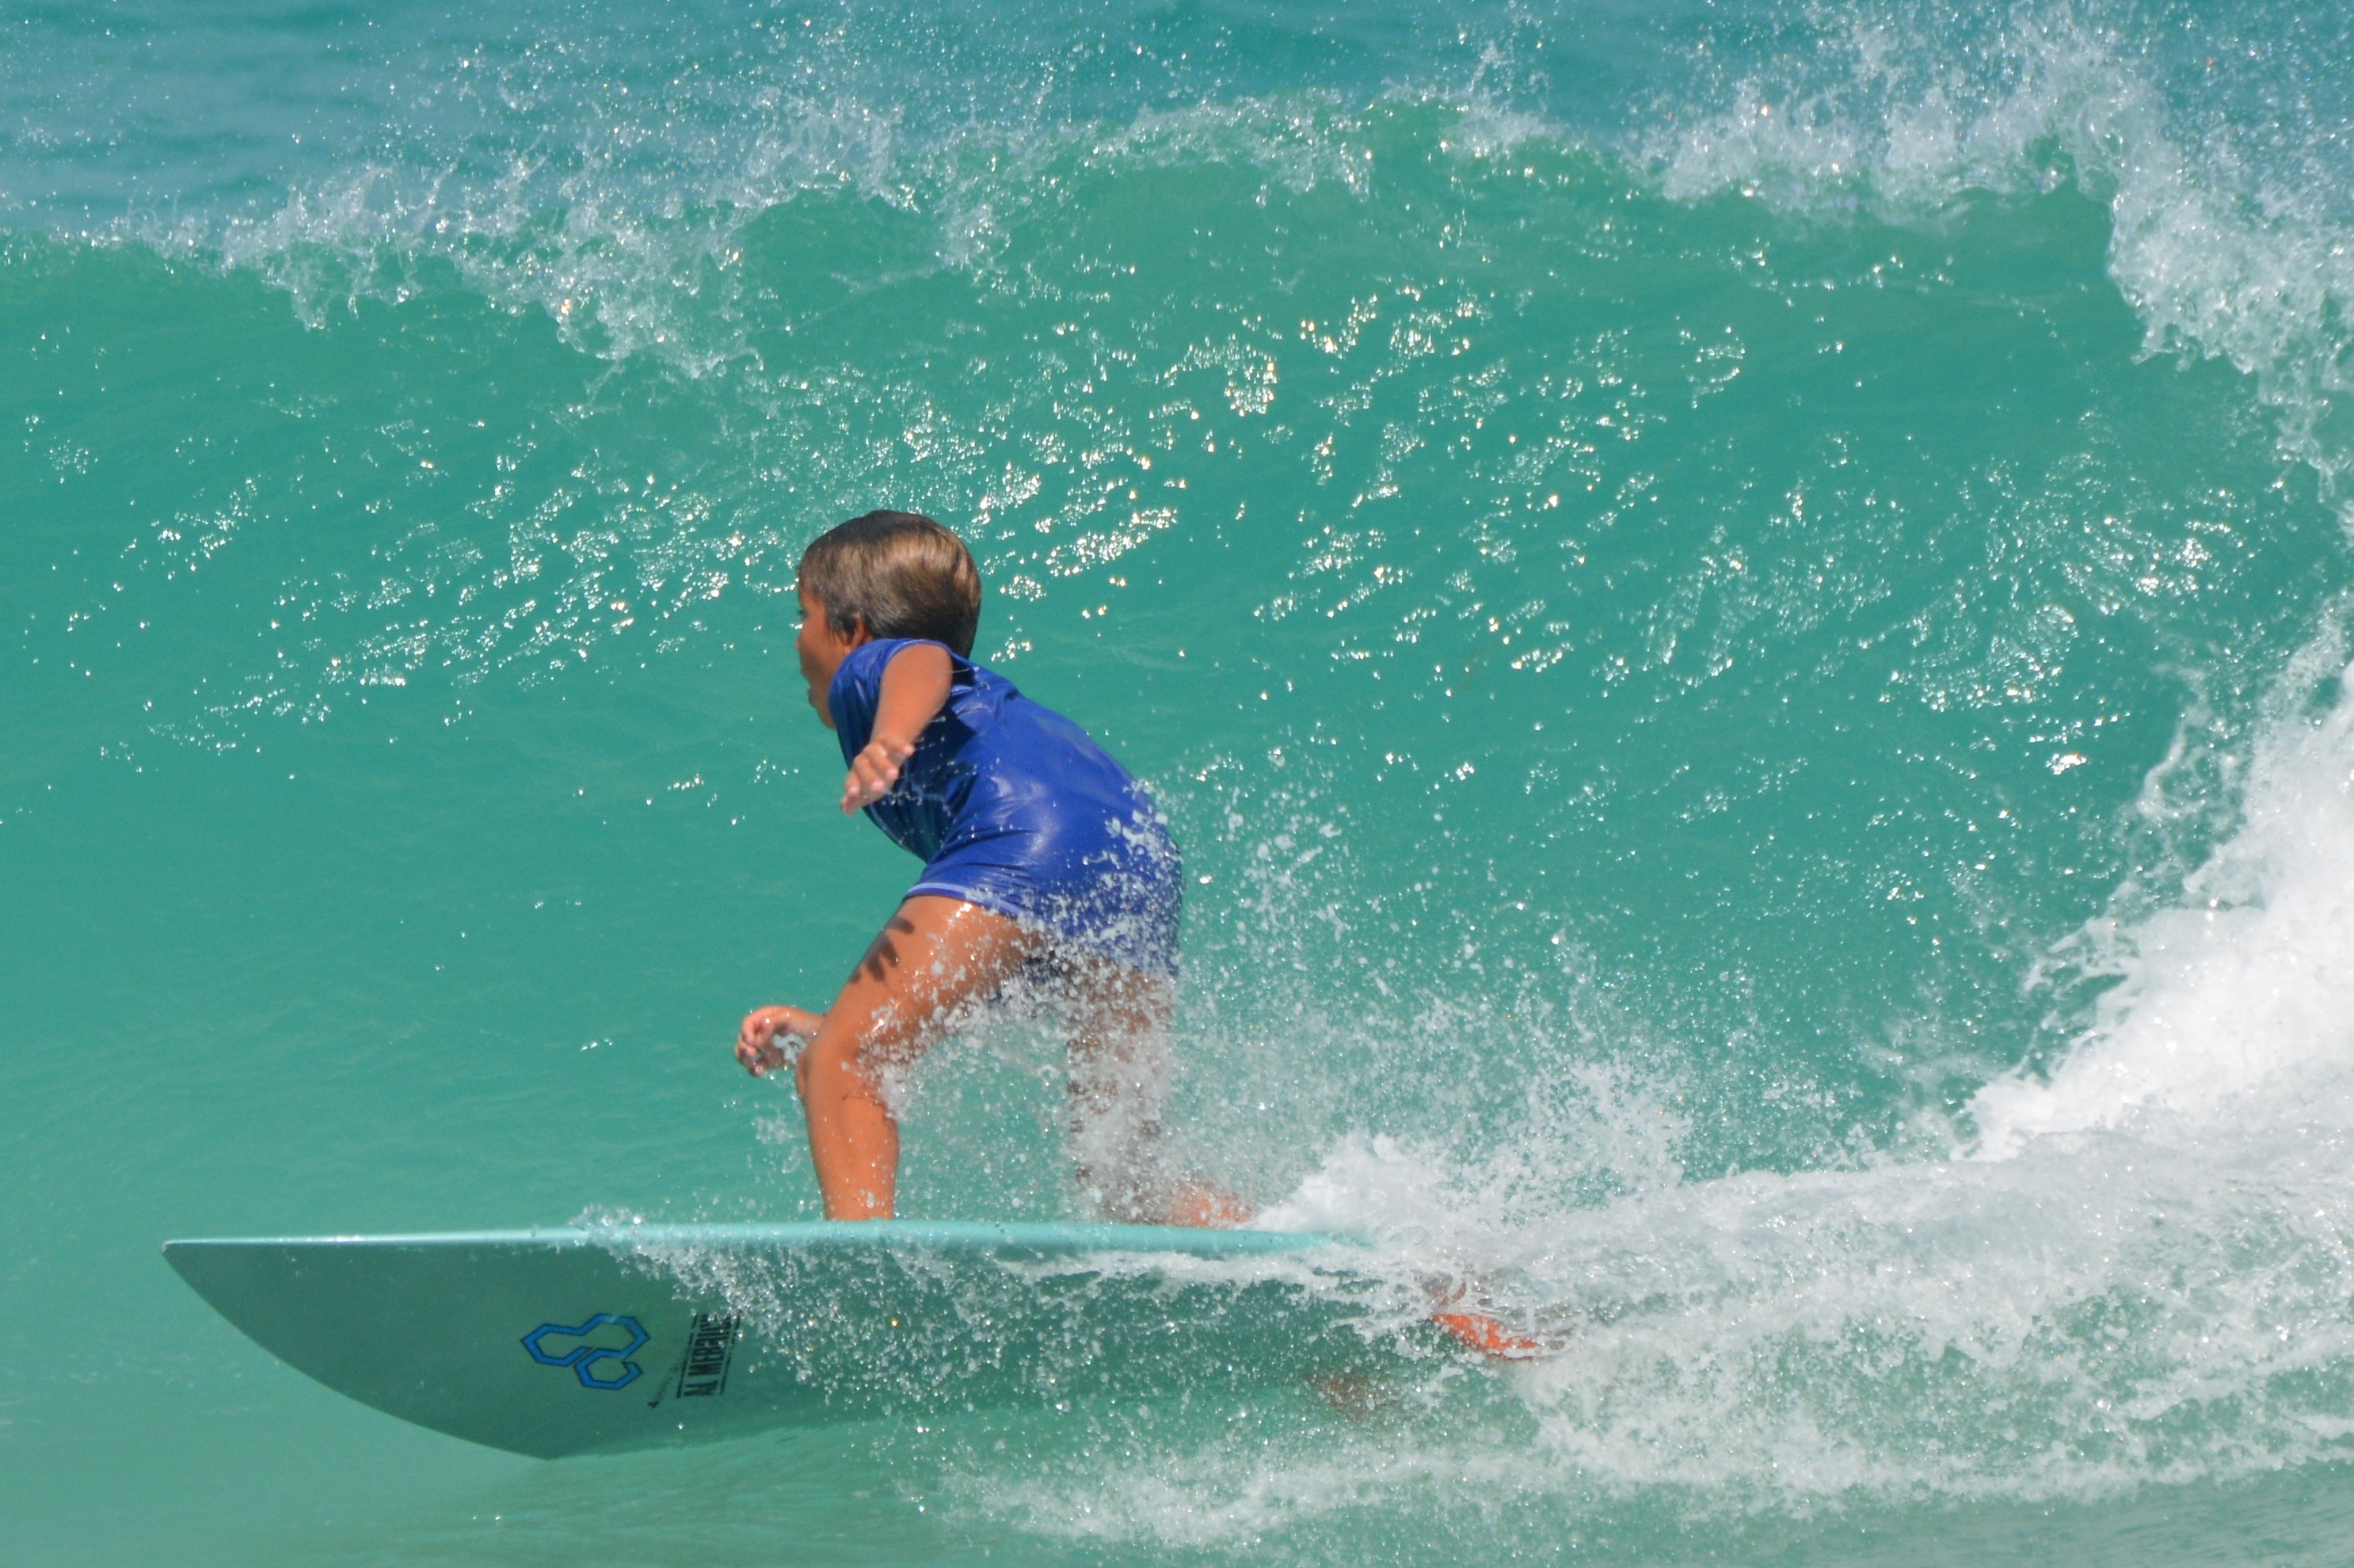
(1742, 611)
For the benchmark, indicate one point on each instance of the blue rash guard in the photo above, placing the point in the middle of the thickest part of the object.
(1013, 808)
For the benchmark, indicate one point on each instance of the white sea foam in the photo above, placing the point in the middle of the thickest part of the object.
(625, 261)
(2069, 1325)
(2092, 1316)
(570, 176)
(2233, 1009)
(2219, 256)
(2142, 1269)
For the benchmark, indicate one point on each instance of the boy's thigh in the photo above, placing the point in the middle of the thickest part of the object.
(934, 955)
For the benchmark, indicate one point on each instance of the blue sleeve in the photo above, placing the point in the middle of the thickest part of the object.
(857, 689)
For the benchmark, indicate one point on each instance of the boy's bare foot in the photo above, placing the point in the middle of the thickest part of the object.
(1458, 1314)
(1478, 1331)
(1201, 1206)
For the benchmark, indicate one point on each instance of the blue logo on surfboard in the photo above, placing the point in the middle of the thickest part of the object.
(584, 1358)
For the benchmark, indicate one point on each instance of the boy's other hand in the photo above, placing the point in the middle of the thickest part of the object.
(756, 1042)
(874, 772)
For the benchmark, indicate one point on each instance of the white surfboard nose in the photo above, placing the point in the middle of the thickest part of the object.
(568, 1341)
(543, 1347)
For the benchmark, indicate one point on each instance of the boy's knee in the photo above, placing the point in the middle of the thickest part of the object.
(833, 1059)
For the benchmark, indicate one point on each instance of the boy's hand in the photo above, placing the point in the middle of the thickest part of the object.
(756, 1045)
(872, 772)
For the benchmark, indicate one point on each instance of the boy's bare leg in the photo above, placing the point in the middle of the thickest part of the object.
(933, 956)
(1119, 1066)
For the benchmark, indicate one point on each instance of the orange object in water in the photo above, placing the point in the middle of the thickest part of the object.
(1484, 1334)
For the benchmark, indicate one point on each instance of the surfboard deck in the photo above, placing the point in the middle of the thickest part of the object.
(564, 1341)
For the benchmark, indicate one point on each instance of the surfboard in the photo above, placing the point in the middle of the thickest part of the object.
(575, 1340)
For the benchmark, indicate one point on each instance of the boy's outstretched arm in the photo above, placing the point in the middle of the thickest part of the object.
(915, 688)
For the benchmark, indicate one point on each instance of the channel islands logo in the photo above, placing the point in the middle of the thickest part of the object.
(585, 1358)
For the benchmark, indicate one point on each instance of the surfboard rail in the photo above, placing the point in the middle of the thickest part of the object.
(1047, 1238)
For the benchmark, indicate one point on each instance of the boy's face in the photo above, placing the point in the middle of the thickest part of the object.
(822, 650)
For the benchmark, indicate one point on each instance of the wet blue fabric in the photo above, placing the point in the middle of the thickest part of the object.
(1011, 806)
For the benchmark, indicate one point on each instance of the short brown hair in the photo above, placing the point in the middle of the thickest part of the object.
(899, 573)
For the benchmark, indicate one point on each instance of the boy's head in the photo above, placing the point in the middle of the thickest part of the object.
(897, 573)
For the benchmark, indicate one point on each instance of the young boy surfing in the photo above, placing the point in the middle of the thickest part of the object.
(1042, 858)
